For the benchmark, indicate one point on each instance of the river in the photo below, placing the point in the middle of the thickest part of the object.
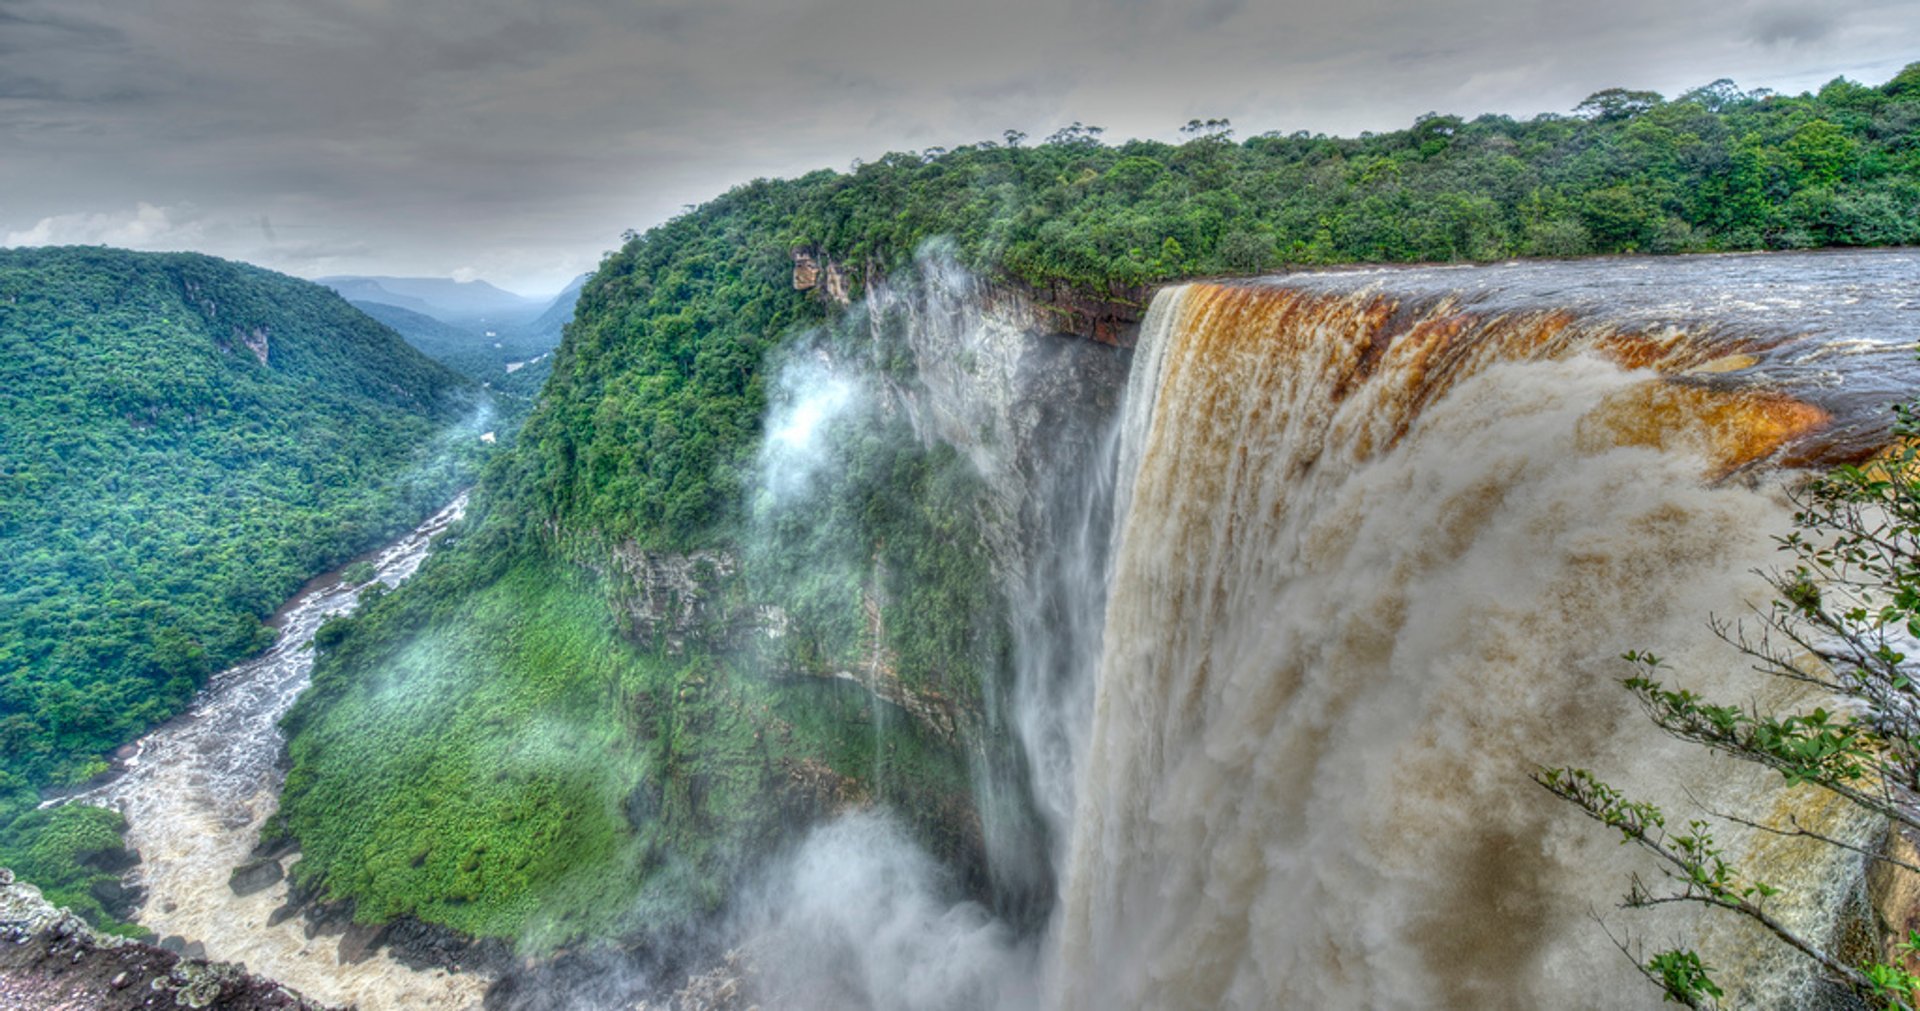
(196, 790)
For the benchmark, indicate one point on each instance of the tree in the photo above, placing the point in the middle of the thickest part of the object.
(1905, 84)
(1077, 135)
(1719, 96)
(1208, 129)
(1617, 104)
(1847, 607)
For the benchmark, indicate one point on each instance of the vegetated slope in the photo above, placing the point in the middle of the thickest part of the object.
(558, 312)
(183, 441)
(643, 450)
(473, 352)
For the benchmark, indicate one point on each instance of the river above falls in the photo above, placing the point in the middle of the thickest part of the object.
(196, 790)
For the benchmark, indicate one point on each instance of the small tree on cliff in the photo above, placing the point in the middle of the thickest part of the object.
(1846, 615)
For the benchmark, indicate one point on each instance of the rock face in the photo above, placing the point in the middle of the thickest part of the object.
(1110, 317)
(50, 960)
(826, 277)
(806, 270)
(668, 596)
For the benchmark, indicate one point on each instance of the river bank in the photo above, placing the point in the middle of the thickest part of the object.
(196, 790)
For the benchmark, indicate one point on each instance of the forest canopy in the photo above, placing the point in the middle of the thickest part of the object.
(183, 442)
(658, 397)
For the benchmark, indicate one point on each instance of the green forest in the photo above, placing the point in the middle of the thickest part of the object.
(657, 394)
(183, 442)
(646, 435)
(470, 352)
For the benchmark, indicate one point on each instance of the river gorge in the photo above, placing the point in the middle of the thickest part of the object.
(196, 790)
(1303, 580)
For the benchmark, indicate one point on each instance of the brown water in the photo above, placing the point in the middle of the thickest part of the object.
(196, 790)
(1381, 536)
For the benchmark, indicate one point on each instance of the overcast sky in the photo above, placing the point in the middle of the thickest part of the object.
(515, 140)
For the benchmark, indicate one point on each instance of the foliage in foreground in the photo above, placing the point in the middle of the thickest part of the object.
(1847, 612)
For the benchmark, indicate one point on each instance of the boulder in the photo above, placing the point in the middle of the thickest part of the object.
(255, 876)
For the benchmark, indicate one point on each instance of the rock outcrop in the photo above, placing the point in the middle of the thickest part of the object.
(1107, 315)
(826, 277)
(51, 960)
(668, 596)
(1894, 892)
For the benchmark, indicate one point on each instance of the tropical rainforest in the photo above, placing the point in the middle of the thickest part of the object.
(516, 744)
(639, 665)
(183, 442)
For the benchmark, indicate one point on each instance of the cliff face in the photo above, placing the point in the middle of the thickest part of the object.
(1110, 315)
(760, 566)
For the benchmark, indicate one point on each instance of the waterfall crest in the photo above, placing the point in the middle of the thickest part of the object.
(1373, 560)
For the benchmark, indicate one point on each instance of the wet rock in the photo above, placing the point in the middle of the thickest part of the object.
(255, 876)
(116, 897)
(360, 942)
(115, 860)
(423, 946)
(174, 943)
(194, 949)
(286, 911)
(328, 920)
(273, 847)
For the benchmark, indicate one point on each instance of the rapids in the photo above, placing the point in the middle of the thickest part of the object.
(196, 790)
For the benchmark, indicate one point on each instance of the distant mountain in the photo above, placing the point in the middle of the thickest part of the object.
(430, 336)
(184, 441)
(559, 312)
(443, 298)
(511, 360)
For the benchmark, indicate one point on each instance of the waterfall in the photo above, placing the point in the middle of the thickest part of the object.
(1301, 591)
(1374, 558)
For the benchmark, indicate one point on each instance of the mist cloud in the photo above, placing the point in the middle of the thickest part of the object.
(810, 396)
(861, 917)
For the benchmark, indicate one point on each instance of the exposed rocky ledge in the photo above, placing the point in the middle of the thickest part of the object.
(1109, 315)
(51, 960)
(827, 278)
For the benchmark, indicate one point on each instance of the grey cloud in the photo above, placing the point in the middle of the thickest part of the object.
(519, 139)
(1793, 27)
(1213, 13)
